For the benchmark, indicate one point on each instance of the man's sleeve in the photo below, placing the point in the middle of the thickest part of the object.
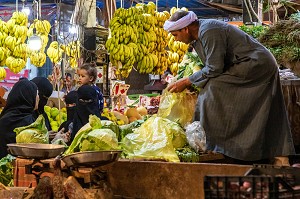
(214, 46)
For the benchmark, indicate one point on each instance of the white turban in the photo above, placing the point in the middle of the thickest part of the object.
(180, 23)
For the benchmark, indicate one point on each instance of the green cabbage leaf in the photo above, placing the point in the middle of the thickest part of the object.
(34, 133)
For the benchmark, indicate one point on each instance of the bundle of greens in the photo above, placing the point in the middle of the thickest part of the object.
(34, 133)
(6, 170)
(254, 31)
(187, 154)
(190, 64)
(283, 40)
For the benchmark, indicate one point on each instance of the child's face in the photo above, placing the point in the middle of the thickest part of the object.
(84, 78)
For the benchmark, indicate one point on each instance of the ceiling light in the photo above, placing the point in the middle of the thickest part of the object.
(34, 42)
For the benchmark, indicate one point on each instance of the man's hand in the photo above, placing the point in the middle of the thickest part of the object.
(179, 85)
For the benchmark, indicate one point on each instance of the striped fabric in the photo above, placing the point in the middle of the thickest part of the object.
(241, 105)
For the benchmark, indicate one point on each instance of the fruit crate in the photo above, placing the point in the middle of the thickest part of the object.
(238, 187)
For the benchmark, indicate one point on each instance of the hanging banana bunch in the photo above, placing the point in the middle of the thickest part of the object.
(72, 49)
(2, 73)
(42, 29)
(54, 52)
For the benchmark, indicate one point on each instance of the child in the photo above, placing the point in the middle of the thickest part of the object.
(87, 75)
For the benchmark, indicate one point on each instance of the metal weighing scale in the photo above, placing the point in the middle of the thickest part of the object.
(37, 152)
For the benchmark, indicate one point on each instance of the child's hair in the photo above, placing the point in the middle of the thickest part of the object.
(91, 70)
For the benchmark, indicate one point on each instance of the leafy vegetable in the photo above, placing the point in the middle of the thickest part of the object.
(254, 31)
(93, 137)
(33, 133)
(156, 138)
(190, 64)
(177, 107)
(74, 146)
(128, 128)
(106, 124)
(283, 40)
(99, 139)
(6, 170)
(95, 122)
(187, 154)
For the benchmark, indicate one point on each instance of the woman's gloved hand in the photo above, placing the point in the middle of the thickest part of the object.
(179, 85)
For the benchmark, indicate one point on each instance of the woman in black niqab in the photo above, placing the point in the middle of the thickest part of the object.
(45, 90)
(18, 112)
(87, 104)
(71, 101)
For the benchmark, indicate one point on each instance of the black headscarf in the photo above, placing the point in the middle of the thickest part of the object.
(45, 90)
(70, 98)
(87, 104)
(18, 112)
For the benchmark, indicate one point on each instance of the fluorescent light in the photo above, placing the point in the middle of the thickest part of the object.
(26, 10)
(34, 42)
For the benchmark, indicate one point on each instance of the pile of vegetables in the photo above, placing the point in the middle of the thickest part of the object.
(283, 40)
(6, 170)
(94, 137)
(254, 31)
(153, 138)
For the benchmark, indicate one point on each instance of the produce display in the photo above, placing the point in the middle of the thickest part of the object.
(56, 116)
(190, 64)
(42, 29)
(176, 53)
(137, 39)
(130, 115)
(72, 50)
(13, 50)
(282, 39)
(6, 170)
(54, 52)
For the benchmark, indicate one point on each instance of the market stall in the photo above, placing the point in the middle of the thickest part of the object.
(147, 145)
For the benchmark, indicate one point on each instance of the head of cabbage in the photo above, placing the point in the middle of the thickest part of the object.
(98, 140)
(33, 133)
(95, 137)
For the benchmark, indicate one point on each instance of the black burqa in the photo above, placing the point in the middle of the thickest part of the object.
(71, 98)
(45, 90)
(18, 112)
(87, 104)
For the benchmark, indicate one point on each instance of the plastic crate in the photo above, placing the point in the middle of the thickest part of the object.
(291, 175)
(238, 187)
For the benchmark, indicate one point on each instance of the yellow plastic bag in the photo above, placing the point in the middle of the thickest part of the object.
(178, 107)
(156, 139)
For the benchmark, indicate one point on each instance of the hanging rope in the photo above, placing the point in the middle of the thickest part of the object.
(17, 5)
(156, 5)
(177, 4)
